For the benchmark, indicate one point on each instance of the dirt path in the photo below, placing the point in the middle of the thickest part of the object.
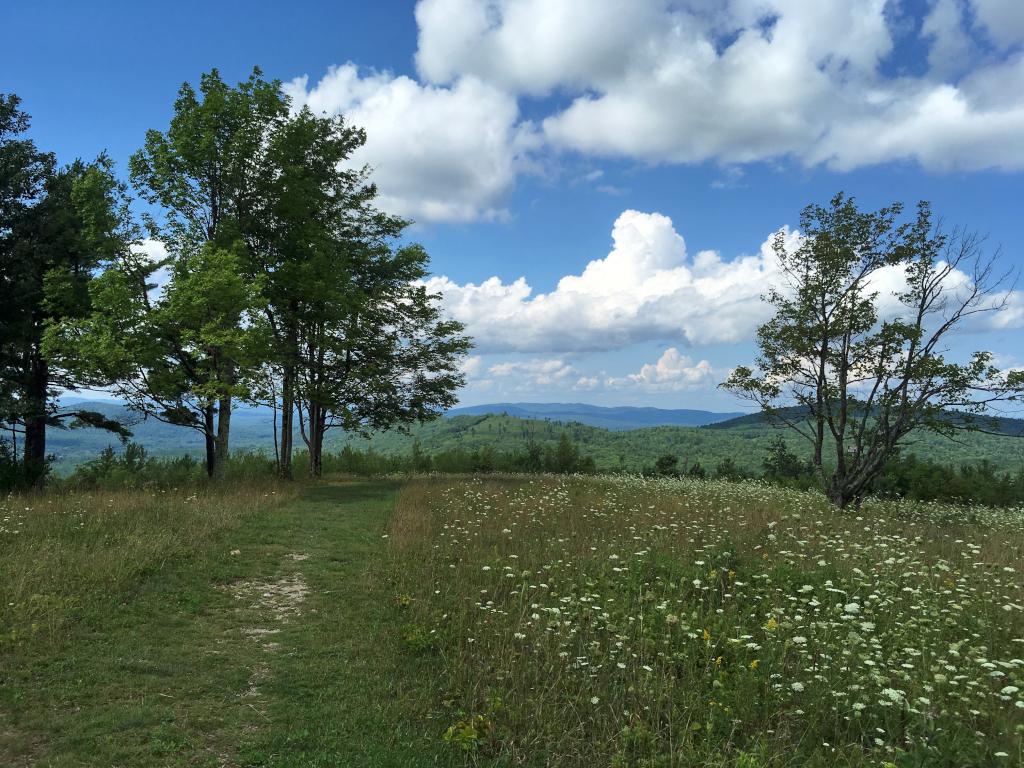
(276, 647)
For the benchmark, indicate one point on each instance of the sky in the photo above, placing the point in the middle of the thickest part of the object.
(596, 181)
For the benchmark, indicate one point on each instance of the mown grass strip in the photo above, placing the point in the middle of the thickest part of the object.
(262, 633)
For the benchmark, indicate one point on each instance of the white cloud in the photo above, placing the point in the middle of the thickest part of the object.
(646, 289)
(154, 252)
(727, 81)
(535, 373)
(672, 372)
(1003, 20)
(938, 127)
(438, 153)
(739, 81)
(472, 366)
(943, 26)
(530, 46)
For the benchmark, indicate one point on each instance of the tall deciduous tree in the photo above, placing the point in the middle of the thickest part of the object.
(203, 174)
(169, 351)
(357, 342)
(856, 357)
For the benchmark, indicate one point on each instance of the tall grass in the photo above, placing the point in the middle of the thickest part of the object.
(677, 623)
(65, 555)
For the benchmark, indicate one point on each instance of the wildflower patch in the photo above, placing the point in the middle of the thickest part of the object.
(654, 622)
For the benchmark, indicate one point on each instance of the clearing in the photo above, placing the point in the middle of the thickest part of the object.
(512, 621)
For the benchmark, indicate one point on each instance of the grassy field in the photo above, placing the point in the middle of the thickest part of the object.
(507, 622)
(633, 623)
(250, 627)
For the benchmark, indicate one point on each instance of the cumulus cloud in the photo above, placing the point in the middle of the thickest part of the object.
(439, 153)
(727, 81)
(536, 372)
(471, 366)
(743, 80)
(530, 46)
(647, 288)
(672, 372)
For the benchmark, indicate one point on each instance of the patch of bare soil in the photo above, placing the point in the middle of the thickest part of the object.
(276, 602)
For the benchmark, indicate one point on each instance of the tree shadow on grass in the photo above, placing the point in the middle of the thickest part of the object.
(351, 492)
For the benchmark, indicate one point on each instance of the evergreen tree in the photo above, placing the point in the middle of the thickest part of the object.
(56, 227)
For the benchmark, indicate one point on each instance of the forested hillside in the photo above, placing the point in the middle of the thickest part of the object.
(632, 450)
(618, 417)
(746, 443)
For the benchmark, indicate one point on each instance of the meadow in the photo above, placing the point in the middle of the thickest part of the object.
(650, 623)
(507, 621)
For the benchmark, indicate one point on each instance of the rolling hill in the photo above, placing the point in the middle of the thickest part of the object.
(743, 439)
(631, 450)
(614, 418)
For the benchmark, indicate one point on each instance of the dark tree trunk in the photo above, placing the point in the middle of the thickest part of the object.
(223, 433)
(35, 419)
(211, 440)
(317, 428)
(287, 421)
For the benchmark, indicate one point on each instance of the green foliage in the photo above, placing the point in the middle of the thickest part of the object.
(57, 226)
(835, 370)
(256, 205)
(368, 348)
(133, 467)
(667, 465)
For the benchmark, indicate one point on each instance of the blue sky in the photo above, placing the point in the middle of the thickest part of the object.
(532, 138)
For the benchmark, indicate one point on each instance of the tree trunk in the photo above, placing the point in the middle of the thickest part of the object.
(35, 420)
(287, 423)
(211, 440)
(223, 434)
(317, 427)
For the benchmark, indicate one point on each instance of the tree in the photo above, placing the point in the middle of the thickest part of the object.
(56, 227)
(356, 340)
(782, 464)
(203, 173)
(667, 465)
(169, 352)
(855, 366)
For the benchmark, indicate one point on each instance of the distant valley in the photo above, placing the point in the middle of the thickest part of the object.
(619, 439)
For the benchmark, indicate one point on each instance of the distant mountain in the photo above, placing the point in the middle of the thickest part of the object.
(617, 438)
(1000, 425)
(612, 418)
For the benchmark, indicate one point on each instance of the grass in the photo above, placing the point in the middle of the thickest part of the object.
(507, 622)
(654, 623)
(134, 637)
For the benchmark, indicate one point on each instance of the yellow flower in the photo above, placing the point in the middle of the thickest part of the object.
(707, 637)
(754, 663)
(718, 661)
(772, 624)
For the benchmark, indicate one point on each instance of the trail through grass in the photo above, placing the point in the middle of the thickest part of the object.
(530, 621)
(267, 642)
